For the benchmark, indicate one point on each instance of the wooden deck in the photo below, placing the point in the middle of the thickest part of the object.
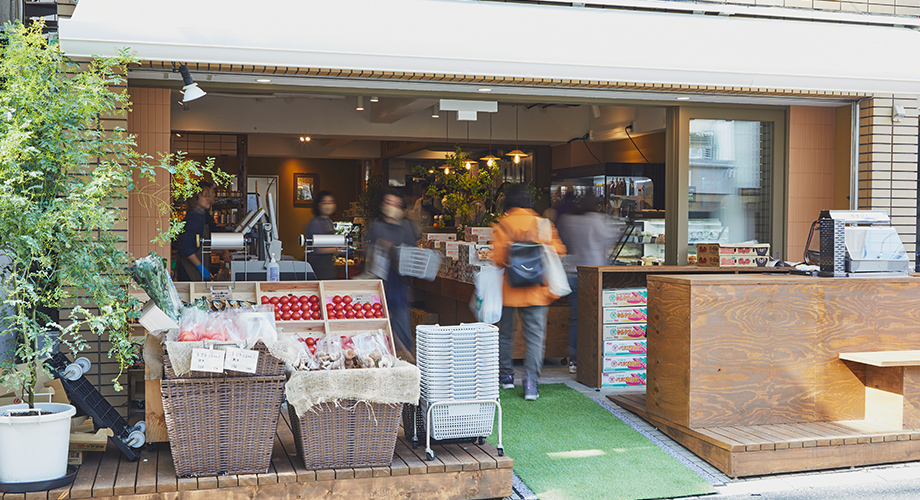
(459, 471)
(774, 448)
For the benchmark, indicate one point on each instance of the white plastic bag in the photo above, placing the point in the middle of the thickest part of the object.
(486, 303)
(553, 271)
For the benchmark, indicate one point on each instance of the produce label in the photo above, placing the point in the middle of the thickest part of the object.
(241, 360)
(208, 360)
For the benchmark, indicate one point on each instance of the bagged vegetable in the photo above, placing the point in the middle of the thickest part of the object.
(373, 350)
(256, 322)
(150, 273)
(192, 325)
(329, 353)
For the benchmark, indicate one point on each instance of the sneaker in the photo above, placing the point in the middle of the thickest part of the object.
(530, 389)
(507, 382)
(572, 368)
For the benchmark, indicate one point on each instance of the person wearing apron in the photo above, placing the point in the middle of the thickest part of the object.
(198, 227)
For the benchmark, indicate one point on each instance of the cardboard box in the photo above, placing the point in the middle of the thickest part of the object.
(440, 236)
(452, 249)
(631, 348)
(732, 261)
(624, 379)
(74, 457)
(478, 234)
(625, 332)
(421, 317)
(622, 315)
(80, 441)
(741, 254)
(621, 297)
(153, 318)
(623, 363)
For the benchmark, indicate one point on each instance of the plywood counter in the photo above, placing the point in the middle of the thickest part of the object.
(760, 351)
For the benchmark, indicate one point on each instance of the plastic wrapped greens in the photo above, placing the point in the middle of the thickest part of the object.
(150, 273)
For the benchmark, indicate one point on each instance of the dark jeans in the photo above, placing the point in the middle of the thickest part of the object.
(573, 316)
(533, 320)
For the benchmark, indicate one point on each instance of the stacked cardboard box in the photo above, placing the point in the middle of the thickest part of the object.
(624, 337)
(731, 255)
(479, 235)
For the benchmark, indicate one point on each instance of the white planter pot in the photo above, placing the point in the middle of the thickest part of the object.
(34, 448)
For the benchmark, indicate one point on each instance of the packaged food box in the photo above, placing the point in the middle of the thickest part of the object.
(625, 315)
(619, 297)
(478, 234)
(452, 249)
(637, 347)
(623, 363)
(624, 379)
(625, 332)
(715, 250)
(732, 261)
(440, 236)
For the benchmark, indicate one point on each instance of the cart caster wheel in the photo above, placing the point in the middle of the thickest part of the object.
(140, 426)
(136, 439)
(501, 452)
(480, 441)
(75, 370)
(429, 455)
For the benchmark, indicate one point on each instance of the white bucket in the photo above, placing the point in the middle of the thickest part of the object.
(34, 448)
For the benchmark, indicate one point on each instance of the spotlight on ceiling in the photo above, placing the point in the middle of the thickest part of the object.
(190, 91)
(360, 104)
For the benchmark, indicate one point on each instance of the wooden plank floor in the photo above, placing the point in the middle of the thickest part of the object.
(458, 471)
(768, 449)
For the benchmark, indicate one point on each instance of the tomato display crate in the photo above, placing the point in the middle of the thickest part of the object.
(222, 426)
(363, 291)
(269, 366)
(346, 434)
(290, 288)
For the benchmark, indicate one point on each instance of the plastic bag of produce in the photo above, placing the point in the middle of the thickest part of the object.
(486, 303)
(150, 273)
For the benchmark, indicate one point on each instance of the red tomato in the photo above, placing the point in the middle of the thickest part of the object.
(304, 299)
(310, 341)
(295, 306)
(312, 349)
(314, 306)
(339, 315)
(285, 308)
(275, 300)
(359, 314)
(378, 314)
(277, 316)
(317, 315)
(348, 307)
(314, 299)
(284, 299)
(187, 336)
(350, 315)
(339, 308)
(346, 299)
(336, 299)
(368, 306)
(295, 316)
(285, 316)
(377, 306)
(265, 299)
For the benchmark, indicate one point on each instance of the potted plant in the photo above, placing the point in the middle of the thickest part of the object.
(470, 195)
(61, 178)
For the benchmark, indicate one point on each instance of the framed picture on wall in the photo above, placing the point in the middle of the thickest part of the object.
(305, 186)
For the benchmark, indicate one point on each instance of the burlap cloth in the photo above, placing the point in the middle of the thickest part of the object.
(180, 353)
(399, 384)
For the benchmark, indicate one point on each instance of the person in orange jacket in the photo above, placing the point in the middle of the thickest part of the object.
(521, 223)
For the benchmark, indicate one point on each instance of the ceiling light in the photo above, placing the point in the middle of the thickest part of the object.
(435, 111)
(517, 154)
(490, 159)
(683, 98)
(178, 135)
(484, 89)
(190, 91)
(305, 138)
(374, 99)
(360, 105)
(263, 80)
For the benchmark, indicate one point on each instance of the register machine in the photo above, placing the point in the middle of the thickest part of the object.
(859, 243)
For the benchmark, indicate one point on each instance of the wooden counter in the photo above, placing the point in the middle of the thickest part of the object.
(740, 355)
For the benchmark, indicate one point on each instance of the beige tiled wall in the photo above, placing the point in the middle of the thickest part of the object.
(811, 172)
(149, 121)
(888, 162)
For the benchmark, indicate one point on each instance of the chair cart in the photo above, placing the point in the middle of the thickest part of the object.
(459, 385)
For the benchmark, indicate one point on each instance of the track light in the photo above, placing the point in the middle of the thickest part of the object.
(435, 111)
(190, 91)
(360, 105)
(375, 99)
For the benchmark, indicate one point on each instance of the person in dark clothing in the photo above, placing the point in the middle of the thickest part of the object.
(322, 259)
(199, 224)
(388, 231)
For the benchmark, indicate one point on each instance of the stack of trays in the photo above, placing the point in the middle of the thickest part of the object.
(458, 366)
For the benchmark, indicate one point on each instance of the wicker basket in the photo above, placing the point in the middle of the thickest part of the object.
(350, 434)
(269, 366)
(224, 426)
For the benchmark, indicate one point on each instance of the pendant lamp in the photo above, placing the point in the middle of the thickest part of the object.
(517, 153)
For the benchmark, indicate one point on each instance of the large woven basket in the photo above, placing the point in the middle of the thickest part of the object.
(222, 426)
(347, 434)
(269, 366)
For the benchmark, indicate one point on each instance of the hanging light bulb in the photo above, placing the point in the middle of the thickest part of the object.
(489, 158)
(516, 153)
(469, 164)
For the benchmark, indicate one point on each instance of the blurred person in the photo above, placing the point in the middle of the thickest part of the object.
(199, 224)
(588, 237)
(388, 231)
(322, 260)
(520, 223)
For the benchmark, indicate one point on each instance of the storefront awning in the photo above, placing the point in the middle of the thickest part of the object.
(530, 41)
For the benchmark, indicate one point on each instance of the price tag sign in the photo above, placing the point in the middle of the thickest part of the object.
(241, 360)
(208, 360)
(221, 293)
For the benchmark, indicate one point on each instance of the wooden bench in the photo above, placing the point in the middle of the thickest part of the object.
(892, 386)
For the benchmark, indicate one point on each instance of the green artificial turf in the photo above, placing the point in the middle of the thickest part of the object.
(566, 446)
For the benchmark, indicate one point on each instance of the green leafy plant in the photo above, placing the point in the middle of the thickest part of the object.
(63, 177)
(471, 196)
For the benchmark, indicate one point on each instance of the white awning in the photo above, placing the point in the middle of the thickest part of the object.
(504, 40)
